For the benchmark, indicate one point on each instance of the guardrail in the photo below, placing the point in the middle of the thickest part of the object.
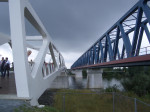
(48, 68)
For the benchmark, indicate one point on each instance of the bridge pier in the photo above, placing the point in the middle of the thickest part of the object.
(78, 76)
(94, 78)
(78, 73)
(60, 81)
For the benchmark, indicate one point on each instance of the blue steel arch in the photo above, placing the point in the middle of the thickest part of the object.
(105, 49)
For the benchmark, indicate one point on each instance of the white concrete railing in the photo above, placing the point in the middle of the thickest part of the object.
(48, 68)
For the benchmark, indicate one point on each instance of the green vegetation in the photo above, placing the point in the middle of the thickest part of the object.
(117, 73)
(138, 80)
(84, 101)
(84, 73)
(114, 88)
(25, 108)
(134, 79)
(75, 102)
(70, 73)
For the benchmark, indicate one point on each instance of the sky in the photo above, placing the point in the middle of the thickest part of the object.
(74, 25)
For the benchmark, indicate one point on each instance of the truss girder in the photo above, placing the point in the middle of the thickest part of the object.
(107, 47)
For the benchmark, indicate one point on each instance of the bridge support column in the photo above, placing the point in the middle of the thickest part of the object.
(94, 78)
(21, 68)
(78, 73)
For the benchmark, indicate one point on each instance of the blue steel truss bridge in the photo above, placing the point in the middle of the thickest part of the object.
(121, 44)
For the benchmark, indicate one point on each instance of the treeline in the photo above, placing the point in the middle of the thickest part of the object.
(135, 79)
(118, 73)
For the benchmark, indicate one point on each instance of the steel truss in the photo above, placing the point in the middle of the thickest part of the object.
(136, 21)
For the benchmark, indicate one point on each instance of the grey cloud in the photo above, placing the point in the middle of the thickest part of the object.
(74, 25)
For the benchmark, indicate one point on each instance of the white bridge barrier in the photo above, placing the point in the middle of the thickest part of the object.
(32, 79)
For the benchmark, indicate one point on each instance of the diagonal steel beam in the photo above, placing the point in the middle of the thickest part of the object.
(101, 49)
(111, 54)
(116, 42)
(139, 41)
(136, 31)
(126, 40)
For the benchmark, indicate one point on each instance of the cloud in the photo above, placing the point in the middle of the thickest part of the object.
(74, 25)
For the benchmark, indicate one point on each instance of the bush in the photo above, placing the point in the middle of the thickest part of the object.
(84, 73)
(113, 88)
(138, 80)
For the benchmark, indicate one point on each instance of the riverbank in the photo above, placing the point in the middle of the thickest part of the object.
(88, 101)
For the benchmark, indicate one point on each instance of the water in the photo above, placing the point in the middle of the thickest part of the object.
(112, 82)
(81, 83)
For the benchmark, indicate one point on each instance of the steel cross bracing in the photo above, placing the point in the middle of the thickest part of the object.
(106, 50)
(33, 78)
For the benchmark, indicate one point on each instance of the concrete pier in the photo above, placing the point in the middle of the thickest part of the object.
(60, 82)
(78, 73)
(78, 76)
(94, 78)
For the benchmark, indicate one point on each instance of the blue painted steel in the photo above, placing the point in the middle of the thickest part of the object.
(146, 9)
(139, 41)
(136, 32)
(97, 55)
(88, 61)
(118, 54)
(111, 54)
(116, 44)
(147, 32)
(122, 54)
(126, 41)
(134, 21)
(105, 52)
(102, 54)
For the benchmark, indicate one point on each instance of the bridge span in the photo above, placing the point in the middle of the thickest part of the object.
(121, 44)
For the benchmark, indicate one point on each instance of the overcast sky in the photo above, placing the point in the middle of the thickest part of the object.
(74, 25)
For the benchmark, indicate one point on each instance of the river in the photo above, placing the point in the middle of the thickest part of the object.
(81, 83)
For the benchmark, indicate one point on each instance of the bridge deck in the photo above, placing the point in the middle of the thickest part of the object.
(8, 85)
(132, 61)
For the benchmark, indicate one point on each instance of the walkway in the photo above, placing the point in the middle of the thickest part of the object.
(8, 84)
(11, 105)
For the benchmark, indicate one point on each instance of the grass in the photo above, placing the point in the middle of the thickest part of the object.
(75, 102)
(25, 108)
(72, 101)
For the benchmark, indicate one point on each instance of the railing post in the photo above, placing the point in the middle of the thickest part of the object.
(135, 106)
(113, 101)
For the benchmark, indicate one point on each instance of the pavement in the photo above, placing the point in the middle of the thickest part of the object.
(10, 105)
(8, 96)
(8, 85)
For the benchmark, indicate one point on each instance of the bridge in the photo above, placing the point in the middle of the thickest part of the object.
(31, 79)
(121, 44)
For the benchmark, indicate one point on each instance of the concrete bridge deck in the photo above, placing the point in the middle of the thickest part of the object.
(8, 84)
